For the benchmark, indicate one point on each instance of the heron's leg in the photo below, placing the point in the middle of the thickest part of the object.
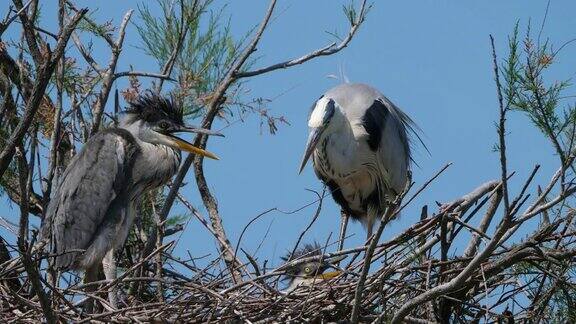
(109, 266)
(370, 219)
(52, 276)
(369, 227)
(343, 225)
(90, 275)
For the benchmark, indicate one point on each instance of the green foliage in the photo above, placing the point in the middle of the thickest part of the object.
(206, 53)
(564, 302)
(76, 81)
(526, 89)
(88, 24)
(176, 220)
(352, 13)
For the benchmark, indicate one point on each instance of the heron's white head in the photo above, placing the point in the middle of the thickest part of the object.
(325, 117)
(154, 119)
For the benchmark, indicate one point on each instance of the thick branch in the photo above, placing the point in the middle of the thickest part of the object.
(484, 224)
(29, 34)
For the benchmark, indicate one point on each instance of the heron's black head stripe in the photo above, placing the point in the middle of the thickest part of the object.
(308, 250)
(374, 121)
(330, 108)
(152, 107)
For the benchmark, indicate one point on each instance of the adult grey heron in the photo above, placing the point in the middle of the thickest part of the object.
(311, 272)
(93, 206)
(360, 149)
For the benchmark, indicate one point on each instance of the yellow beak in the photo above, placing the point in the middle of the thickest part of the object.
(329, 275)
(185, 146)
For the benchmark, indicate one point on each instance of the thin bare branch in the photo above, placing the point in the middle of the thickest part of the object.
(329, 49)
(108, 78)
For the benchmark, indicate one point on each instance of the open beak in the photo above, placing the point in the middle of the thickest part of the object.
(313, 139)
(186, 146)
(331, 274)
(193, 129)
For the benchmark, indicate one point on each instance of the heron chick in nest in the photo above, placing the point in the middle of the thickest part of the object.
(311, 272)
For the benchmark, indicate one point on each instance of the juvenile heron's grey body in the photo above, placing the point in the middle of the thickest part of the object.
(360, 149)
(93, 206)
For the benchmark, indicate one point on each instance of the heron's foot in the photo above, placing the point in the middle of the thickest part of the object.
(113, 298)
(91, 306)
(88, 306)
(118, 298)
(122, 298)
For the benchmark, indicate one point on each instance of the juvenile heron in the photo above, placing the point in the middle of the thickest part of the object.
(312, 272)
(93, 206)
(360, 149)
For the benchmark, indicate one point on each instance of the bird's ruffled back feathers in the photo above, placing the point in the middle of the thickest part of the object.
(99, 173)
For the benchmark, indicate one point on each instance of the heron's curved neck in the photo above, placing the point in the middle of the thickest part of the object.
(157, 163)
(131, 124)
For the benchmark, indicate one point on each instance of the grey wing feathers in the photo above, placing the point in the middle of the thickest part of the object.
(395, 151)
(411, 128)
(93, 180)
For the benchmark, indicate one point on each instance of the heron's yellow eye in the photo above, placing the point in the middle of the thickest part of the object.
(307, 269)
(164, 125)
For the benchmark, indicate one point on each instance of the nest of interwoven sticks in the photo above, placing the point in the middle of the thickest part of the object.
(459, 263)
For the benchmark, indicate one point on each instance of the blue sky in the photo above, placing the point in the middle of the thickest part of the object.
(432, 58)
